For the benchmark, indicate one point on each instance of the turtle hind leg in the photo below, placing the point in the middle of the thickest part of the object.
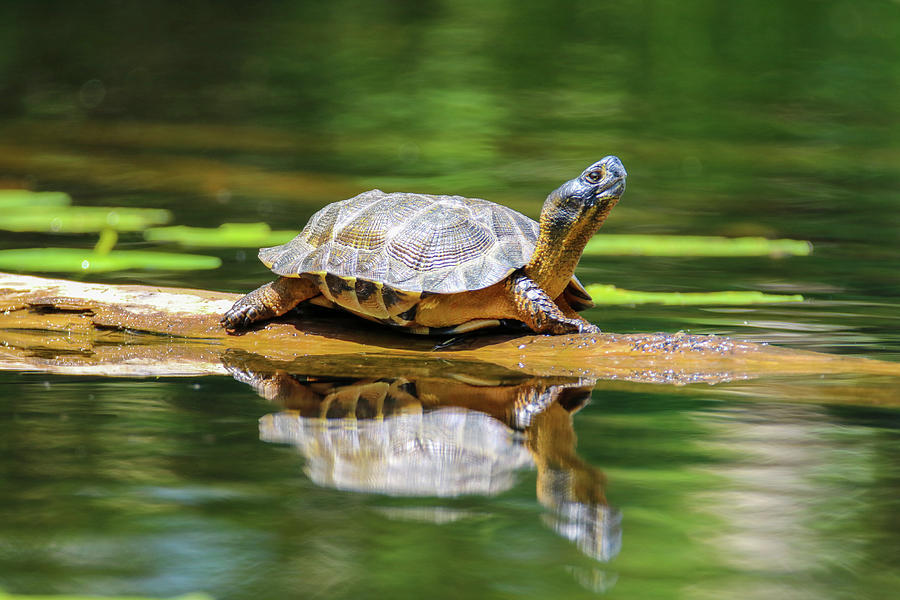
(538, 310)
(270, 300)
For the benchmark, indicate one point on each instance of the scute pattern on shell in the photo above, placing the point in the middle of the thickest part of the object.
(414, 242)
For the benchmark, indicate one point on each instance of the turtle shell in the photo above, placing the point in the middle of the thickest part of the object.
(411, 242)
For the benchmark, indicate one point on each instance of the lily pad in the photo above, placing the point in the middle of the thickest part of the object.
(693, 245)
(82, 219)
(610, 294)
(227, 235)
(69, 260)
(16, 199)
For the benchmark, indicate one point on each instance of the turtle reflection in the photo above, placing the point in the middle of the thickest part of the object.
(444, 437)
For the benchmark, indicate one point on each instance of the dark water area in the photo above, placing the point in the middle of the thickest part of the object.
(776, 119)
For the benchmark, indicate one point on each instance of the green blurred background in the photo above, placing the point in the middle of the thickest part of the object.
(774, 119)
(768, 118)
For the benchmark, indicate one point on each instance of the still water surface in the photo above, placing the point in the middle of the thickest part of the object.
(776, 119)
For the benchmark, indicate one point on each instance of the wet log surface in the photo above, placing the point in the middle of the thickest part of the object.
(68, 327)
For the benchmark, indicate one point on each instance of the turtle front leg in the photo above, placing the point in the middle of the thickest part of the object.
(269, 300)
(538, 310)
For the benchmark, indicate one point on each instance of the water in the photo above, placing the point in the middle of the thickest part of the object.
(777, 119)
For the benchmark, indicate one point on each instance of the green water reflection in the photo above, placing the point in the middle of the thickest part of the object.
(162, 487)
(774, 119)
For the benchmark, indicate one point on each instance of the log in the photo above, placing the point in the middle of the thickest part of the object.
(70, 327)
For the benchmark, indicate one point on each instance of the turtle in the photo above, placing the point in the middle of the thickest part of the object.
(433, 264)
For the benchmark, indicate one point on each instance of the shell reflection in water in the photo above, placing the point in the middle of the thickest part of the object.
(444, 437)
(444, 452)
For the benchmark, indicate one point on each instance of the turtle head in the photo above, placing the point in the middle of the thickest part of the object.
(571, 215)
(587, 199)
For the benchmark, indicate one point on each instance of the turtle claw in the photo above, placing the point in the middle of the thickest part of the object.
(567, 326)
(587, 327)
(232, 320)
(241, 316)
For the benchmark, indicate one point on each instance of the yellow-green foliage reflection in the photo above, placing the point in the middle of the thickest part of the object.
(227, 235)
(610, 294)
(21, 199)
(68, 260)
(51, 212)
(81, 219)
(691, 245)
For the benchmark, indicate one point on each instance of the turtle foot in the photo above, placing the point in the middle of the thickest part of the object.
(566, 325)
(245, 312)
(242, 316)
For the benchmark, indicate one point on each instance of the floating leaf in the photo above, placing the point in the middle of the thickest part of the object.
(610, 294)
(68, 260)
(28, 199)
(227, 235)
(83, 219)
(693, 245)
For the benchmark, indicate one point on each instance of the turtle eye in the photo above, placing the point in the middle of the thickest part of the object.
(595, 176)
